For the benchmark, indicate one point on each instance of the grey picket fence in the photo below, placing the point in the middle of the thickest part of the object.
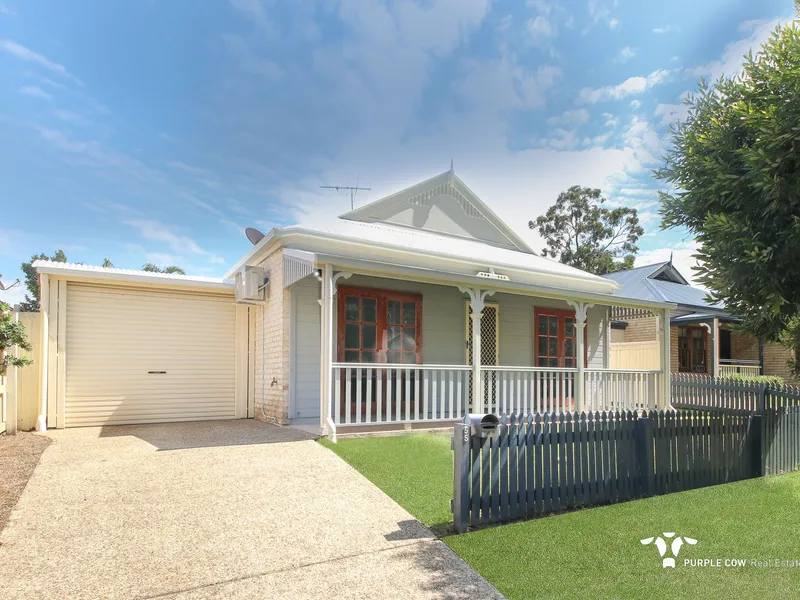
(542, 464)
(691, 390)
(780, 440)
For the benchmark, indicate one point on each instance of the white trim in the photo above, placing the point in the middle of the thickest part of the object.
(44, 308)
(73, 271)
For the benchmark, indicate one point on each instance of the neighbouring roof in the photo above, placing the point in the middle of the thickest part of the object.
(113, 273)
(661, 282)
(699, 317)
(442, 205)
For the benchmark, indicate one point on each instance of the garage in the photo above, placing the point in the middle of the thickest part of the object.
(148, 356)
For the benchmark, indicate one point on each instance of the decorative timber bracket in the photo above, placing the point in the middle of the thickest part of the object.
(477, 298)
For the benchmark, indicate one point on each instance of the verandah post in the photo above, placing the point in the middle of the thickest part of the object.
(477, 299)
(581, 309)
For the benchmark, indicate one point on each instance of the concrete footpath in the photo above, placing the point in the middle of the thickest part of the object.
(237, 509)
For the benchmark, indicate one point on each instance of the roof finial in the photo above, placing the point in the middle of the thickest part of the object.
(670, 257)
(452, 170)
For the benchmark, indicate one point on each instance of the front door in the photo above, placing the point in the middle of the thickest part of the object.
(692, 345)
(490, 353)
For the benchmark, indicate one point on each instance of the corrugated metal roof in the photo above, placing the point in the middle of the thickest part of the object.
(639, 283)
(475, 251)
(47, 266)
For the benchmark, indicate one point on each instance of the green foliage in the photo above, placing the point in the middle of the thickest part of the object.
(736, 168)
(173, 269)
(31, 303)
(12, 333)
(107, 263)
(768, 379)
(581, 232)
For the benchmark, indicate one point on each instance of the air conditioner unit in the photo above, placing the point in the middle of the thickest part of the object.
(250, 284)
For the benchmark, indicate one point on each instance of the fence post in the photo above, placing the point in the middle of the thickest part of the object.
(461, 474)
(644, 455)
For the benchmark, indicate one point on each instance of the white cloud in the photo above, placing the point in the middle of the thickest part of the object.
(540, 29)
(732, 59)
(71, 117)
(625, 54)
(631, 86)
(671, 112)
(573, 118)
(610, 120)
(635, 104)
(665, 29)
(35, 92)
(187, 168)
(613, 23)
(23, 53)
(155, 231)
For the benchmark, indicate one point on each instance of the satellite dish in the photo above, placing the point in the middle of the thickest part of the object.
(254, 235)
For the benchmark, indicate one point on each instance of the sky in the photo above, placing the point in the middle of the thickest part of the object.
(157, 131)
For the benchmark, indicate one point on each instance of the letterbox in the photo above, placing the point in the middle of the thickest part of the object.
(484, 426)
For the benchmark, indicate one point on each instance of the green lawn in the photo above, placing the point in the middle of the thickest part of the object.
(595, 553)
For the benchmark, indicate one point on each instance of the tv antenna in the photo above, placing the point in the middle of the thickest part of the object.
(353, 189)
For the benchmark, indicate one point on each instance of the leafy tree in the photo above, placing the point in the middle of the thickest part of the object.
(581, 232)
(173, 269)
(735, 165)
(107, 263)
(12, 334)
(31, 302)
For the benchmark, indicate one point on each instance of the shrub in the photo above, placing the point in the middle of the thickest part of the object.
(768, 379)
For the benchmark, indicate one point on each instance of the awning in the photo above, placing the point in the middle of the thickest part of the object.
(297, 264)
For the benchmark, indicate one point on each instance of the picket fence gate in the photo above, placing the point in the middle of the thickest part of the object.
(541, 464)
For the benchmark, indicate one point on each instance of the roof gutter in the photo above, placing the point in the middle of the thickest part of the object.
(227, 286)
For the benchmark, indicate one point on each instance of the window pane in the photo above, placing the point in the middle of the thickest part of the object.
(542, 325)
(369, 306)
(409, 358)
(569, 347)
(542, 361)
(409, 338)
(351, 337)
(394, 338)
(409, 313)
(552, 362)
(368, 333)
(553, 325)
(393, 357)
(569, 327)
(394, 312)
(552, 348)
(569, 363)
(351, 356)
(351, 308)
(368, 357)
(543, 346)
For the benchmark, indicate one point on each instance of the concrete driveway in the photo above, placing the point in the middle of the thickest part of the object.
(237, 509)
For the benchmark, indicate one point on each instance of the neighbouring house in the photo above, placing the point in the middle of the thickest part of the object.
(407, 312)
(702, 339)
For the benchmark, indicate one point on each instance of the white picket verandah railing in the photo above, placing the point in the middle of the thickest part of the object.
(527, 390)
(379, 393)
(747, 368)
(375, 393)
(612, 389)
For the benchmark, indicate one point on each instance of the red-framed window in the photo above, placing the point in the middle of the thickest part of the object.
(379, 326)
(554, 334)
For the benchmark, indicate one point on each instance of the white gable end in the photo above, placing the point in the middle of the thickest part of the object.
(442, 205)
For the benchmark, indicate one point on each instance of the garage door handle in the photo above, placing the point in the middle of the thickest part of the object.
(157, 372)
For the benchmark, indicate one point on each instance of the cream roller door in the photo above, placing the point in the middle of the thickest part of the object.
(147, 356)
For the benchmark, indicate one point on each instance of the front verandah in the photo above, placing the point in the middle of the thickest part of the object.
(399, 352)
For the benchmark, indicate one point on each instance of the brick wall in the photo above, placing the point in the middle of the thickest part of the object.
(641, 330)
(743, 347)
(272, 334)
(775, 359)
